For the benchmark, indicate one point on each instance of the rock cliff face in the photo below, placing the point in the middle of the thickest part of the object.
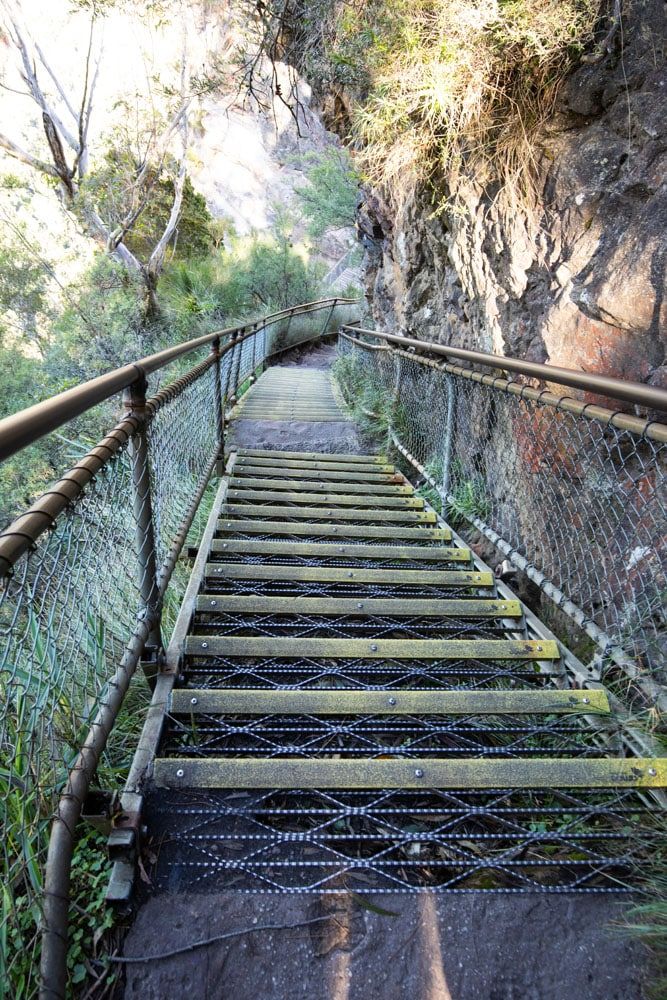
(581, 283)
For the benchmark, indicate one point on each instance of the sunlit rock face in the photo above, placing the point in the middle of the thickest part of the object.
(580, 284)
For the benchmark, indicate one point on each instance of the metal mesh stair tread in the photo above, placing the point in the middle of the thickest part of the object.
(333, 651)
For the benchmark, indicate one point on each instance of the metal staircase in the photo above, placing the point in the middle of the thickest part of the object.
(361, 704)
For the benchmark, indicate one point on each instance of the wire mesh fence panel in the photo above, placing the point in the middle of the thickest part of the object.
(182, 441)
(65, 616)
(78, 601)
(582, 501)
(67, 613)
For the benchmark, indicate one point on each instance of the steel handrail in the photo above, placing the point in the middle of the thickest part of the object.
(637, 393)
(29, 425)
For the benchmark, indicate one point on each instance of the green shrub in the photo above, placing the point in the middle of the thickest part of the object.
(254, 276)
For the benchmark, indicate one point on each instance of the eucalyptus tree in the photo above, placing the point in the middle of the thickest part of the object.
(148, 146)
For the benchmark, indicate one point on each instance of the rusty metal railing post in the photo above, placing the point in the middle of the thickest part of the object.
(253, 377)
(134, 401)
(328, 319)
(449, 439)
(219, 414)
(237, 350)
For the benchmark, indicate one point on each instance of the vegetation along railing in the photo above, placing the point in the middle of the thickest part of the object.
(570, 491)
(89, 578)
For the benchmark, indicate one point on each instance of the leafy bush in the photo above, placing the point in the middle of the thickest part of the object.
(101, 327)
(257, 274)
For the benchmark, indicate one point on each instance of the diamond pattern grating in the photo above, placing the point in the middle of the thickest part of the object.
(301, 840)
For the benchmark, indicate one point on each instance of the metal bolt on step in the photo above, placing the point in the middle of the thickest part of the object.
(586, 701)
(180, 772)
(419, 773)
(213, 603)
(194, 701)
(373, 648)
(204, 645)
(652, 771)
(391, 701)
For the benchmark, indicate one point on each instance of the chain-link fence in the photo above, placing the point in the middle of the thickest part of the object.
(84, 577)
(573, 495)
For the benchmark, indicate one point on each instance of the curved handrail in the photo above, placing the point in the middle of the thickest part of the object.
(34, 422)
(636, 393)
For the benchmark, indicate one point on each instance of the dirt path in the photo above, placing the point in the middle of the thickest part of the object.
(470, 947)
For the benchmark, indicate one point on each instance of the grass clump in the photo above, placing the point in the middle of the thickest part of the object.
(445, 85)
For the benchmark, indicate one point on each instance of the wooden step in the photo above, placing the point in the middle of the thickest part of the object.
(328, 574)
(312, 456)
(334, 516)
(275, 772)
(402, 500)
(372, 649)
(361, 607)
(262, 702)
(263, 465)
(329, 550)
(365, 489)
(322, 475)
(332, 530)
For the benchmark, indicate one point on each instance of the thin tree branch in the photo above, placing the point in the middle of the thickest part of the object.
(56, 82)
(156, 260)
(80, 118)
(29, 75)
(32, 161)
(161, 955)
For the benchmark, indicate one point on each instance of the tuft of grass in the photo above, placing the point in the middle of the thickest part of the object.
(647, 921)
(456, 84)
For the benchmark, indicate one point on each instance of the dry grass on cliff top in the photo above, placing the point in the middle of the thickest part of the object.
(462, 84)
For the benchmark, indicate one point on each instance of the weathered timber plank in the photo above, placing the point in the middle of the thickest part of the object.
(330, 550)
(256, 772)
(313, 456)
(312, 499)
(333, 530)
(268, 463)
(372, 649)
(362, 607)
(328, 574)
(263, 702)
(335, 516)
(300, 485)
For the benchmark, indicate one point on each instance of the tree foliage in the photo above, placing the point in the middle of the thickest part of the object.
(112, 189)
(329, 201)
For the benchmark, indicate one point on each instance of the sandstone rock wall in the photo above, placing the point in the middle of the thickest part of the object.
(581, 283)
